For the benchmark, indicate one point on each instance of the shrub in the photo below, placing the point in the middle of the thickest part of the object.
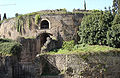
(5, 40)
(113, 36)
(94, 28)
(68, 45)
(9, 47)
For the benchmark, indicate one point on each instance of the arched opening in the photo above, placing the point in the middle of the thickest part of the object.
(44, 24)
(43, 38)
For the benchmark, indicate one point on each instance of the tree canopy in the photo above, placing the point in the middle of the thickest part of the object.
(116, 6)
(100, 28)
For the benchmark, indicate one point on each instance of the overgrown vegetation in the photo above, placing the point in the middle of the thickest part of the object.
(29, 22)
(57, 11)
(1, 22)
(37, 18)
(68, 45)
(100, 28)
(99, 32)
(20, 24)
(116, 7)
(9, 47)
(81, 48)
(20, 19)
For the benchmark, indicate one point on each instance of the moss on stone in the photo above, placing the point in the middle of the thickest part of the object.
(29, 22)
(37, 17)
(20, 24)
(9, 47)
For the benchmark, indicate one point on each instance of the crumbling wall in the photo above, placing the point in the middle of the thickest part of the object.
(98, 65)
(6, 66)
(30, 48)
(102, 65)
(38, 45)
(62, 26)
(11, 67)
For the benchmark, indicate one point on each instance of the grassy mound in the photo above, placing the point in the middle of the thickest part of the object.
(67, 48)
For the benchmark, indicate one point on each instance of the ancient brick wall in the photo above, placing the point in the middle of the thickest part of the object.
(30, 48)
(6, 66)
(61, 26)
(101, 65)
(87, 66)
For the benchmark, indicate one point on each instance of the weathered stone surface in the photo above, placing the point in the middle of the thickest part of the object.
(32, 47)
(49, 45)
(92, 66)
(61, 26)
(71, 66)
(6, 63)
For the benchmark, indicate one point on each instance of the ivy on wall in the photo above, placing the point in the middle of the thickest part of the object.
(37, 18)
(20, 24)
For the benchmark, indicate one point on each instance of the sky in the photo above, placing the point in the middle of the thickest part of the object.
(28, 6)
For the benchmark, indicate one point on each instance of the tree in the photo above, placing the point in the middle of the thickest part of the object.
(94, 28)
(4, 17)
(84, 5)
(0, 17)
(16, 14)
(116, 6)
(113, 35)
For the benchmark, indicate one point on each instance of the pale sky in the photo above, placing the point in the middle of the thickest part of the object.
(28, 6)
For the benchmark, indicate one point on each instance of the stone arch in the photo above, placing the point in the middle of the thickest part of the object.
(43, 37)
(45, 24)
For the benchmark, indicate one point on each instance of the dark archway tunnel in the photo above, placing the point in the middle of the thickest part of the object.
(43, 38)
(44, 24)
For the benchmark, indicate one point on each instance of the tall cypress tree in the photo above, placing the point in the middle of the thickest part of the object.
(4, 17)
(84, 5)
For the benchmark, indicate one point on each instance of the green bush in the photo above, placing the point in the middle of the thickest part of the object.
(9, 47)
(5, 40)
(94, 28)
(113, 36)
(68, 45)
(100, 28)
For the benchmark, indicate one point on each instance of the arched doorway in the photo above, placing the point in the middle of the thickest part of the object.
(46, 42)
(43, 38)
(44, 24)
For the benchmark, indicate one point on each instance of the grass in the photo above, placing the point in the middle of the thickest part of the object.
(81, 48)
(47, 13)
(29, 37)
